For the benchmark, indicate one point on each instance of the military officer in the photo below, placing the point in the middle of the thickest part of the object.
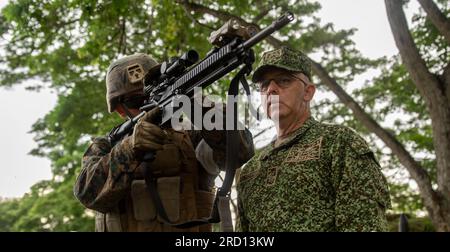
(313, 176)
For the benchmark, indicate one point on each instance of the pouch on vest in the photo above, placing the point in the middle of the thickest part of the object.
(167, 162)
(169, 193)
(99, 222)
(205, 200)
(113, 222)
(143, 207)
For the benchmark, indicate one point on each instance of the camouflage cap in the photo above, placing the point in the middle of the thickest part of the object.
(284, 58)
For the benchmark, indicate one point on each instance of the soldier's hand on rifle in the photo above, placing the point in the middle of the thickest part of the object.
(147, 136)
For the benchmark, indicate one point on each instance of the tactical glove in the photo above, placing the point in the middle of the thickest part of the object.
(148, 136)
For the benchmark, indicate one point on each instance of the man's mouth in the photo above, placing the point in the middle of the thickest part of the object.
(273, 102)
(270, 103)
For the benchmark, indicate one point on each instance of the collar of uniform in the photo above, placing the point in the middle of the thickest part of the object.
(293, 137)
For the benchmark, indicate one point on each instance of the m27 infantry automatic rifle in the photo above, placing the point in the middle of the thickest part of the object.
(179, 76)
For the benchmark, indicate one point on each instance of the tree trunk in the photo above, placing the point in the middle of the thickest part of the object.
(433, 90)
(437, 18)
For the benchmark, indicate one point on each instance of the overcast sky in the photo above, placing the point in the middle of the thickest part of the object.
(20, 108)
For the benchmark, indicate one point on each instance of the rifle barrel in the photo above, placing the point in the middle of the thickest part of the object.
(276, 25)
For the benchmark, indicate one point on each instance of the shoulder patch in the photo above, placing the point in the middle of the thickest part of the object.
(272, 174)
(305, 152)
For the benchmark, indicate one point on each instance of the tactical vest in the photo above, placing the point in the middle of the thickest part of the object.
(179, 186)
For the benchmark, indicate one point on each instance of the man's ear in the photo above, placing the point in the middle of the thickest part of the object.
(310, 89)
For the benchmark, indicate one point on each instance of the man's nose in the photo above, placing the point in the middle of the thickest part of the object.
(272, 88)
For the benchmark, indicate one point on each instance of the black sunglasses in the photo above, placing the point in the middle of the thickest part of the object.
(283, 81)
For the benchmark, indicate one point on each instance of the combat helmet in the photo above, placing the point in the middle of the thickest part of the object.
(126, 75)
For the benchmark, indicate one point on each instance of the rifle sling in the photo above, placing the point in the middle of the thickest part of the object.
(221, 209)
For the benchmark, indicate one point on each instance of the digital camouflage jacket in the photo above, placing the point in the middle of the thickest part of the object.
(321, 178)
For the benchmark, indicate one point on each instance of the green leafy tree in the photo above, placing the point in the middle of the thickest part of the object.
(68, 46)
(425, 58)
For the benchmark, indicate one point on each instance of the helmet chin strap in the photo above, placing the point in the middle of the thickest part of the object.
(127, 111)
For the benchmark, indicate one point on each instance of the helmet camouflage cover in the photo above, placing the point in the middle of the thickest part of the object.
(284, 58)
(126, 75)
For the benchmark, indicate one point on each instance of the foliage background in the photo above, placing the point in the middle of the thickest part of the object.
(69, 45)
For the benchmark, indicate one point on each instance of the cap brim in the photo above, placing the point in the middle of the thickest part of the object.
(262, 69)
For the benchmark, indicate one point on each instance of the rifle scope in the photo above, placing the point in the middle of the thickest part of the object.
(178, 65)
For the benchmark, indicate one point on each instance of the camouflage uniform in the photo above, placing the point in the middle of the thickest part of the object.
(322, 177)
(110, 184)
(111, 180)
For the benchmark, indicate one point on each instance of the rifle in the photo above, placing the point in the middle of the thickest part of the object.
(180, 76)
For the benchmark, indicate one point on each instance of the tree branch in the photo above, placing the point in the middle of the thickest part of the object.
(417, 172)
(426, 83)
(439, 20)
(224, 16)
(446, 80)
(261, 14)
(195, 20)
(430, 88)
(122, 36)
(442, 24)
(62, 24)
